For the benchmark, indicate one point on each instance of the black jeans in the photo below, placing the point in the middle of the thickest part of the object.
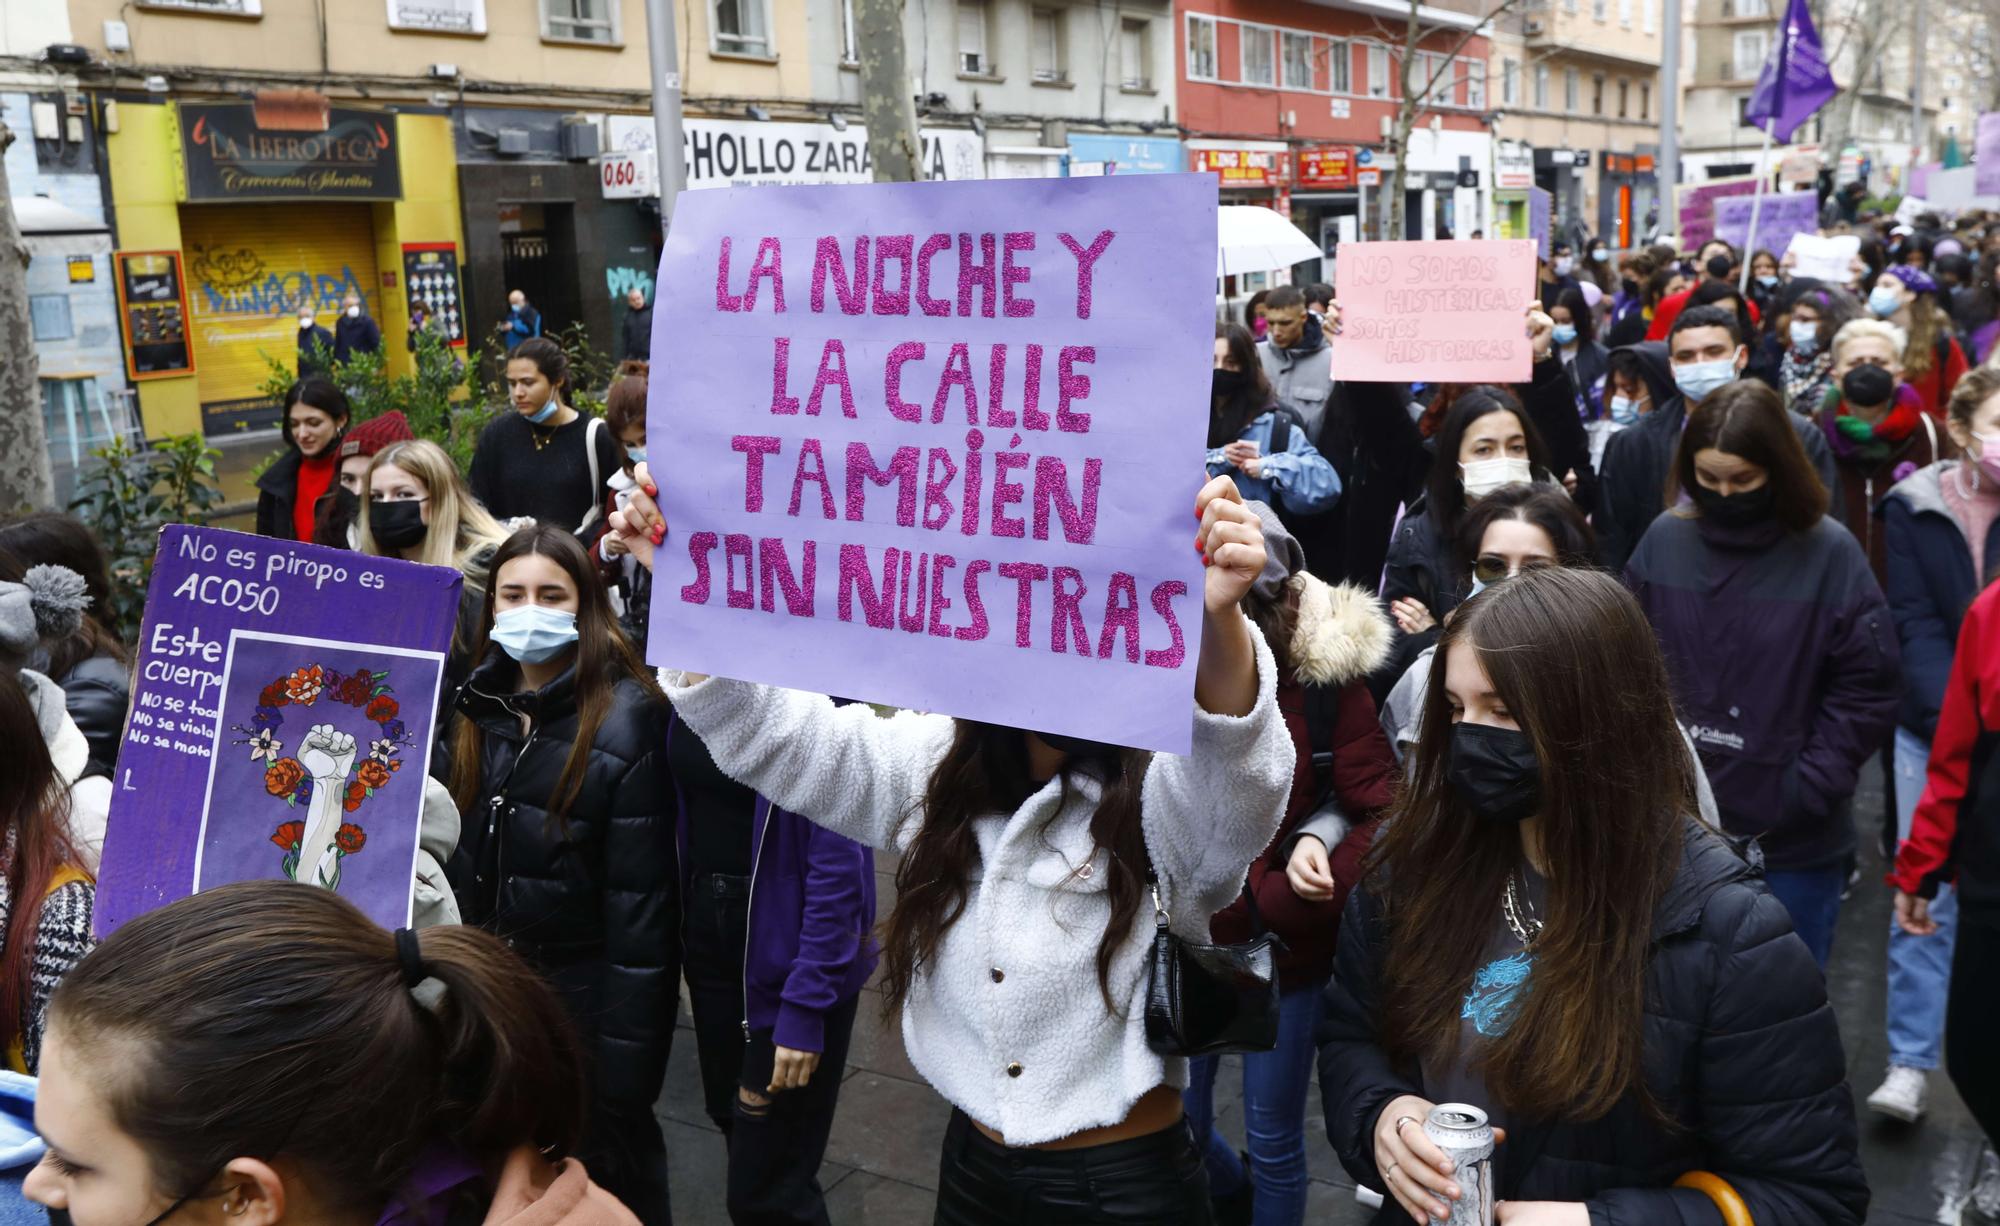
(626, 1155)
(1969, 1052)
(774, 1150)
(1156, 1179)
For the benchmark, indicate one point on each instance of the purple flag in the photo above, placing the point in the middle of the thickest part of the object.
(1795, 81)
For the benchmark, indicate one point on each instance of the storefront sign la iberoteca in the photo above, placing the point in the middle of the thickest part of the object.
(229, 157)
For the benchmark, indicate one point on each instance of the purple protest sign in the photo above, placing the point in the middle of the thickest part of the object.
(1696, 207)
(1986, 155)
(1778, 218)
(271, 736)
(937, 445)
(1540, 206)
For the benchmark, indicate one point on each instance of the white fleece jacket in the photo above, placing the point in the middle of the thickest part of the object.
(1014, 985)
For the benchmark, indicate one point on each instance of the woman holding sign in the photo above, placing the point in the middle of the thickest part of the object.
(559, 764)
(1018, 945)
(1547, 934)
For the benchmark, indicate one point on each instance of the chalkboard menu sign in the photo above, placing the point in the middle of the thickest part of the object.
(152, 306)
(430, 278)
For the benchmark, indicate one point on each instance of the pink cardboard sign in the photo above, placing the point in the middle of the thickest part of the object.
(937, 445)
(1448, 312)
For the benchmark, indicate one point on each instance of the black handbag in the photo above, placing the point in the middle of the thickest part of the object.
(1206, 999)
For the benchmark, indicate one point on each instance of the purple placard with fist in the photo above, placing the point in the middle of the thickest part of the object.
(281, 724)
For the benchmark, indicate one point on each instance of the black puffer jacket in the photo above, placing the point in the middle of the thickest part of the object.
(96, 692)
(591, 900)
(1741, 1051)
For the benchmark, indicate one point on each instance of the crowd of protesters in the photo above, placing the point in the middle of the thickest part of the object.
(1528, 720)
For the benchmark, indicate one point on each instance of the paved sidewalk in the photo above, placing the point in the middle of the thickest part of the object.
(881, 1167)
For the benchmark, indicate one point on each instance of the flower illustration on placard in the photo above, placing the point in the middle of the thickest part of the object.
(327, 774)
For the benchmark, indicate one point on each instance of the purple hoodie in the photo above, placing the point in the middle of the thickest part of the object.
(812, 915)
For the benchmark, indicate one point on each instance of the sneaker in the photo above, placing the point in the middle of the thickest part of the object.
(1986, 1191)
(1901, 1094)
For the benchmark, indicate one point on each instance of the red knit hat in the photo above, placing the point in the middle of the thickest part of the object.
(376, 433)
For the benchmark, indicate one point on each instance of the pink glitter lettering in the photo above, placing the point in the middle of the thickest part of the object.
(1006, 493)
(1026, 575)
(1010, 276)
(937, 490)
(700, 545)
(976, 631)
(735, 547)
(1066, 618)
(935, 307)
(972, 274)
(940, 563)
(893, 247)
(1163, 604)
(852, 294)
(809, 451)
(974, 440)
(878, 605)
(1086, 257)
(1072, 387)
(770, 263)
(754, 447)
(1052, 489)
(892, 389)
(774, 571)
(724, 300)
(832, 373)
(1032, 417)
(957, 373)
(781, 371)
(902, 469)
(1120, 614)
(996, 383)
(909, 617)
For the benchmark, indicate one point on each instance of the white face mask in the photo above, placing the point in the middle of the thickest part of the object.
(305, 321)
(1563, 265)
(354, 312)
(1482, 477)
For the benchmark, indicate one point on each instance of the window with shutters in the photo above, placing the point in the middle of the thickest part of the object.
(1541, 87)
(1340, 67)
(973, 60)
(1378, 72)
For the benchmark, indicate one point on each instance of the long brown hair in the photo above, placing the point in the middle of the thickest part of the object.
(1747, 419)
(1571, 655)
(986, 772)
(266, 1018)
(34, 815)
(604, 657)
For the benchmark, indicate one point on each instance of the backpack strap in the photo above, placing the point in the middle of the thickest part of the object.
(1322, 713)
(1930, 431)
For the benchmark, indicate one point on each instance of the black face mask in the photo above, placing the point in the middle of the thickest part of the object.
(346, 505)
(398, 525)
(1738, 510)
(1226, 385)
(1867, 385)
(1495, 772)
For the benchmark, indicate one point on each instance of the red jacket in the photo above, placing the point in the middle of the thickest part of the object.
(1948, 366)
(1955, 834)
(1670, 309)
(1343, 635)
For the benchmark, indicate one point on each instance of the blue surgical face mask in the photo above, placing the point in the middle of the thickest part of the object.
(1565, 334)
(1884, 301)
(1697, 379)
(1624, 410)
(1805, 335)
(1768, 281)
(638, 453)
(1600, 254)
(533, 633)
(547, 411)
(1477, 587)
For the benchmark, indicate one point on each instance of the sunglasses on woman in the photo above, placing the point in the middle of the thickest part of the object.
(1490, 568)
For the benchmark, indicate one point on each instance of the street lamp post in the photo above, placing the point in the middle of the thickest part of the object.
(663, 46)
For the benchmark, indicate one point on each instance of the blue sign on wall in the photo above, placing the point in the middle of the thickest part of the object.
(1130, 155)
